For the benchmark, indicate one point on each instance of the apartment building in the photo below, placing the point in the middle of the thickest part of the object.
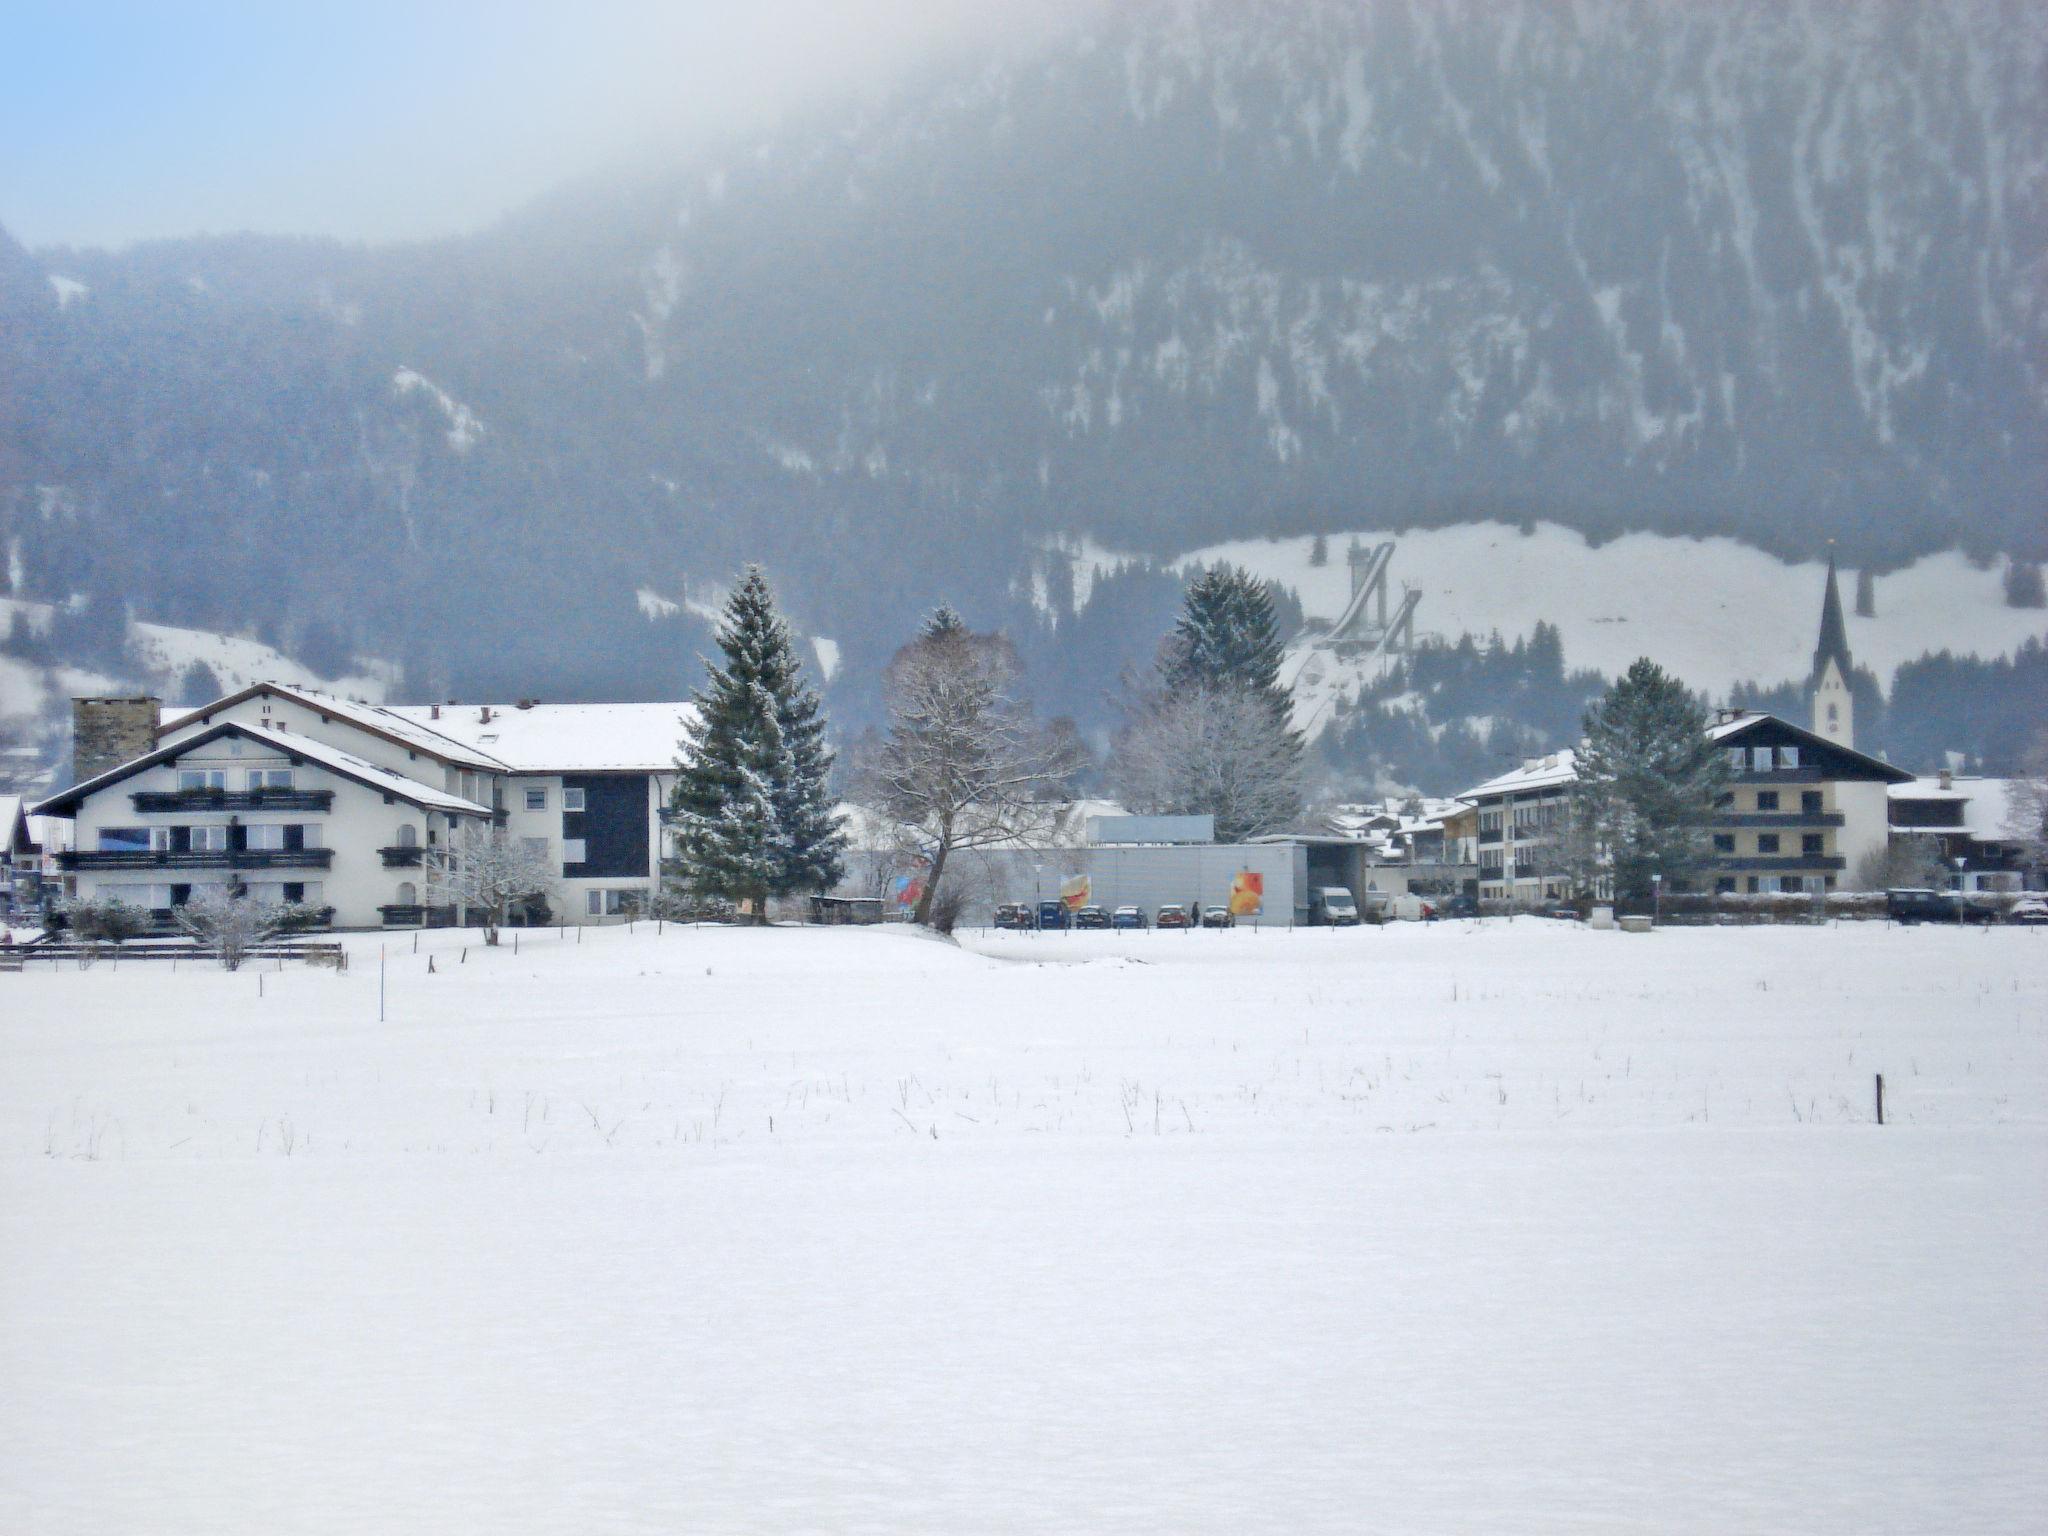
(297, 795)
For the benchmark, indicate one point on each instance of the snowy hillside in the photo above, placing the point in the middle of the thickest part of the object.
(1475, 1227)
(163, 659)
(1180, 272)
(166, 653)
(1714, 611)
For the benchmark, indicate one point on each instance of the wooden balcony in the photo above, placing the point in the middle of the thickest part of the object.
(170, 800)
(1794, 820)
(196, 858)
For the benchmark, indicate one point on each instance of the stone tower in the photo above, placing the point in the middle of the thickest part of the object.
(106, 733)
(1834, 710)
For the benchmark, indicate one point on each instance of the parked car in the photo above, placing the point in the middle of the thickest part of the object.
(1054, 914)
(1407, 907)
(1564, 914)
(1171, 915)
(2028, 909)
(1218, 917)
(1128, 917)
(1013, 914)
(1092, 917)
(1461, 906)
(1919, 905)
(1332, 906)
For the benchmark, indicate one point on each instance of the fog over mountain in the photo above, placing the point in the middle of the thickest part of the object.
(1189, 272)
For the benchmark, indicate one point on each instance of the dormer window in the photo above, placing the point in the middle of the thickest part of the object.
(1788, 757)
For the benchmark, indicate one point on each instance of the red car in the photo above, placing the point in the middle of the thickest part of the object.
(1172, 915)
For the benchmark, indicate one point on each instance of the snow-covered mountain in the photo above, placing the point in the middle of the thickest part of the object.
(1195, 271)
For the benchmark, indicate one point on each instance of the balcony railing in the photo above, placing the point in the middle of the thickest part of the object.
(1768, 862)
(233, 799)
(1779, 819)
(402, 857)
(196, 858)
(400, 916)
(1488, 838)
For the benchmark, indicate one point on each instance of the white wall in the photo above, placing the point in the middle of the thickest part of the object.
(1865, 828)
(355, 884)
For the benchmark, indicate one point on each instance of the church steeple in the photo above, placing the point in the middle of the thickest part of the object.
(1833, 707)
(1834, 635)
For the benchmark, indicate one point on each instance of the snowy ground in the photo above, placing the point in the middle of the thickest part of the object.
(1462, 1228)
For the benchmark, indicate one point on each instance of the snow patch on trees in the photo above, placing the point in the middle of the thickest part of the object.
(465, 428)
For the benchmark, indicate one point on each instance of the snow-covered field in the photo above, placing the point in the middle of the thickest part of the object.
(1474, 1227)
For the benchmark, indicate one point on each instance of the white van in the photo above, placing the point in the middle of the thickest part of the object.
(1331, 906)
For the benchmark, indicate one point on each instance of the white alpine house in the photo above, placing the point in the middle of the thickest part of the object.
(304, 796)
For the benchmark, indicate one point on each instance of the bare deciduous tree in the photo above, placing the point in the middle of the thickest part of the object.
(488, 871)
(1904, 863)
(2026, 804)
(1216, 750)
(965, 764)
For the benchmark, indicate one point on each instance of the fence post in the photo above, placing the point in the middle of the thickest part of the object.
(380, 983)
(1880, 1098)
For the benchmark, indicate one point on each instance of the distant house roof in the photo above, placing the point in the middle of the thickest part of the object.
(561, 738)
(1985, 802)
(1547, 772)
(296, 746)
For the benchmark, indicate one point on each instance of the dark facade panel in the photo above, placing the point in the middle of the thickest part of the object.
(612, 824)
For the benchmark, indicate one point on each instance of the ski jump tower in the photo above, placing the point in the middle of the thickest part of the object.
(1364, 624)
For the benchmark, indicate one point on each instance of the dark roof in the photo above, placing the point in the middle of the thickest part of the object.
(1839, 761)
(1834, 634)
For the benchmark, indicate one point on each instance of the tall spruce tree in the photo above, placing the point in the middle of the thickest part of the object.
(1216, 736)
(1649, 780)
(1227, 636)
(753, 816)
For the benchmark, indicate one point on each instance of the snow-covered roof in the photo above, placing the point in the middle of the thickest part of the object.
(1984, 801)
(11, 818)
(1739, 720)
(347, 764)
(407, 732)
(1537, 773)
(560, 738)
(386, 779)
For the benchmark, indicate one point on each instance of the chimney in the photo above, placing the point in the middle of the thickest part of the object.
(433, 711)
(1948, 778)
(107, 732)
(483, 715)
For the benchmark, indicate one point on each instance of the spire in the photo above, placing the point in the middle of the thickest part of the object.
(1834, 635)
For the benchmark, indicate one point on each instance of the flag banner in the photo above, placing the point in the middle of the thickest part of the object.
(1074, 892)
(1247, 893)
(905, 889)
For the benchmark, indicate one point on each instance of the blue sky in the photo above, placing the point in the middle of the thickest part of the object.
(124, 120)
